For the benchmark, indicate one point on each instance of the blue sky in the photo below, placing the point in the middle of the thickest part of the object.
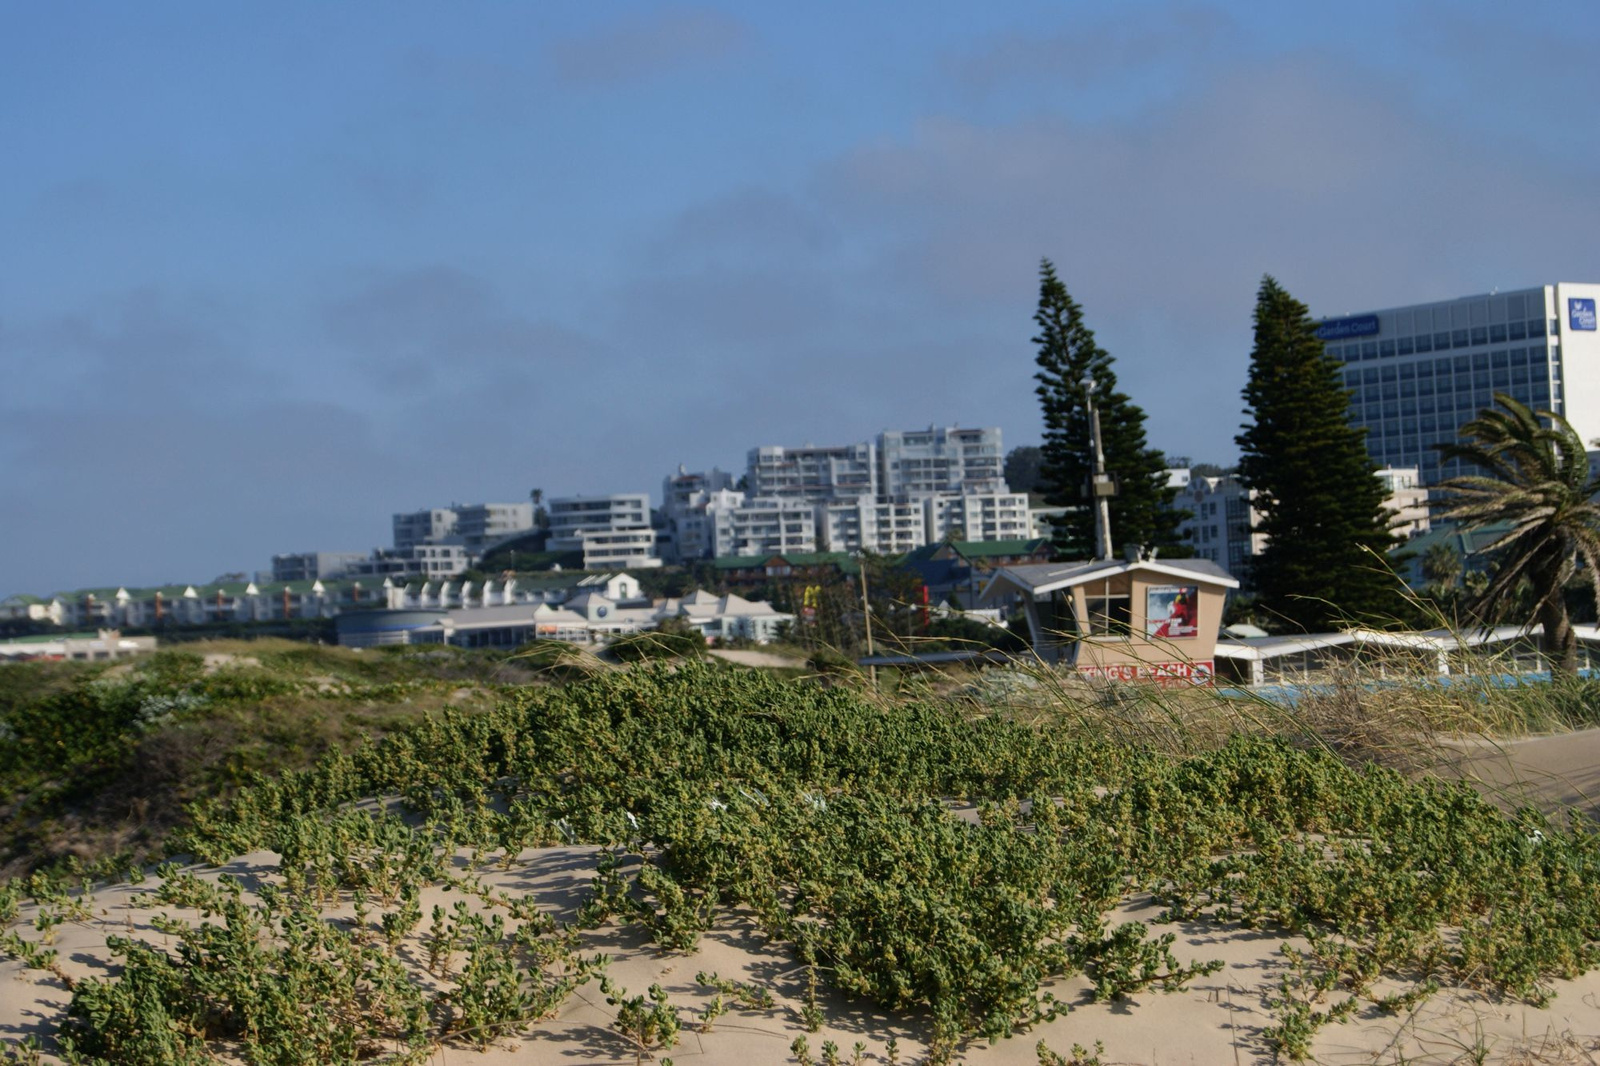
(269, 273)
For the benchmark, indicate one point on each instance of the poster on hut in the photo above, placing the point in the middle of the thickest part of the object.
(1172, 612)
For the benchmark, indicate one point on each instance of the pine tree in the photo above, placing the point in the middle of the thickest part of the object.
(1322, 508)
(1141, 512)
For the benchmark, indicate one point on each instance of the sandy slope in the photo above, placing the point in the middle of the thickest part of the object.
(1216, 1020)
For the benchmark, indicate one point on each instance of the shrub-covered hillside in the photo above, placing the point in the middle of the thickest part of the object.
(98, 760)
(822, 821)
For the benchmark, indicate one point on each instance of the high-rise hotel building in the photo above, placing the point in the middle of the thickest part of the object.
(1417, 373)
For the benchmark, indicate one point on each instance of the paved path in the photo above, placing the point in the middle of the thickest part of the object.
(1555, 772)
(756, 658)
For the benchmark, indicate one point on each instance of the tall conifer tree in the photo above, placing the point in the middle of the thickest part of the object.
(1141, 513)
(1322, 508)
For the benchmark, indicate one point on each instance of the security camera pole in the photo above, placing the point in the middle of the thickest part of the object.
(1101, 486)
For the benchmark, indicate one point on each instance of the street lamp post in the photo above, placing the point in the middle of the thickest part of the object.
(1101, 485)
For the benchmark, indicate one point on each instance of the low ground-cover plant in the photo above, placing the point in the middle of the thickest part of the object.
(97, 760)
(824, 816)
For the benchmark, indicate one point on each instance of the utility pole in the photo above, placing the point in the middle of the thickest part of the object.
(866, 617)
(1101, 486)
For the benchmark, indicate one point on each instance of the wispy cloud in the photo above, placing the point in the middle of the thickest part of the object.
(1087, 50)
(646, 46)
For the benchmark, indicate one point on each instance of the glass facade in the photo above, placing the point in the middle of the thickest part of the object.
(1432, 367)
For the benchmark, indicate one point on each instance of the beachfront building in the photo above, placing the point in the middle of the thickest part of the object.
(590, 617)
(1132, 620)
(1417, 372)
(227, 602)
(555, 588)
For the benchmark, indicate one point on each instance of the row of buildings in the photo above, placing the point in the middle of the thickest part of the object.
(573, 606)
(897, 492)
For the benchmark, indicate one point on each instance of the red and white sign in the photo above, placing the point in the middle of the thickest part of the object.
(1176, 673)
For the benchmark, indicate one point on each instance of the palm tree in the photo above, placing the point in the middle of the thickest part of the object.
(1537, 481)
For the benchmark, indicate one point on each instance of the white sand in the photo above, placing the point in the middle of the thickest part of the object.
(1218, 1019)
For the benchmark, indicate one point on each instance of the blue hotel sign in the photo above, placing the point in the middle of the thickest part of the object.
(1339, 329)
(1580, 314)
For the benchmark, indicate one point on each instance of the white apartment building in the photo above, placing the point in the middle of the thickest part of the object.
(687, 500)
(765, 526)
(477, 526)
(481, 526)
(884, 527)
(612, 532)
(1407, 499)
(314, 566)
(1220, 520)
(843, 472)
(940, 459)
(1223, 517)
(432, 526)
(977, 516)
(418, 560)
(692, 532)
(571, 515)
(1041, 521)
(1417, 372)
(684, 490)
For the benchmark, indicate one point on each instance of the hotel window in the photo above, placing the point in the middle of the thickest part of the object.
(1497, 334)
(1424, 343)
(1517, 331)
(1480, 335)
(1535, 327)
(1441, 341)
(1385, 348)
(1404, 346)
(1369, 350)
(1458, 338)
